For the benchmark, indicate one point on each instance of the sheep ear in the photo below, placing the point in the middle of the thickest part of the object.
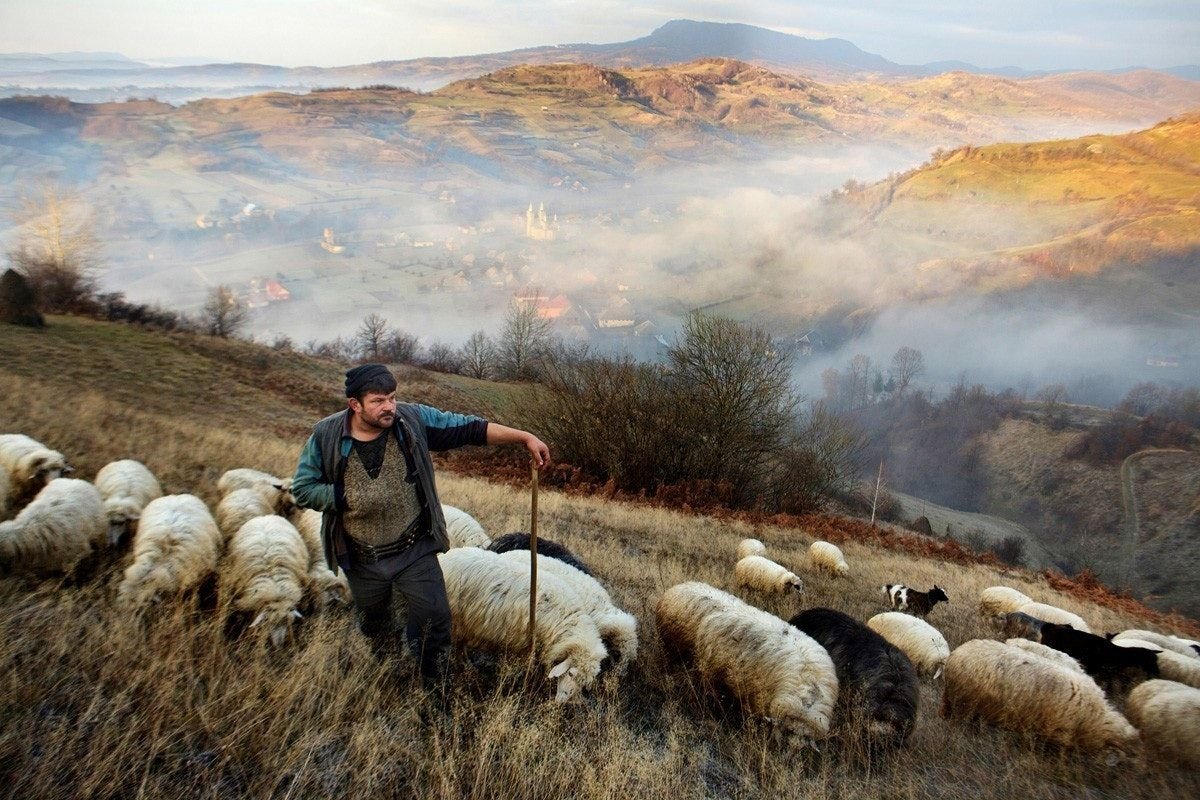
(258, 620)
(560, 669)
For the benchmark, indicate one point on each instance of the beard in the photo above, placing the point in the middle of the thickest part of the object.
(383, 421)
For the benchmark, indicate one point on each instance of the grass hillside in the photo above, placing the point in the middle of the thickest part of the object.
(1003, 215)
(94, 705)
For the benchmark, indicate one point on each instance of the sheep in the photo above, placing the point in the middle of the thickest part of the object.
(264, 573)
(1048, 613)
(1019, 691)
(1168, 715)
(546, 547)
(243, 478)
(828, 557)
(919, 603)
(463, 529)
(618, 629)
(750, 547)
(1171, 665)
(1015, 623)
(489, 605)
(773, 669)
(997, 600)
(1098, 656)
(125, 486)
(869, 668)
(174, 550)
(1048, 653)
(916, 638)
(30, 466)
(242, 505)
(56, 531)
(1163, 642)
(325, 587)
(759, 572)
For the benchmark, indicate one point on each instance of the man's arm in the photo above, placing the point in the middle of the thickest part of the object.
(502, 434)
(308, 486)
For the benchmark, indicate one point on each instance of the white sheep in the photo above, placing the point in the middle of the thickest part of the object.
(125, 486)
(174, 550)
(1048, 653)
(325, 586)
(489, 605)
(30, 466)
(4, 487)
(463, 529)
(921, 642)
(997, 600)
(56, 531)
(243, 478)
(775, 671)
(1049, 613)
(1172, 665)
(618, 629)
(1168, 715)
(750, 547)
(828, 557)
(1019, 691)
(1161, 641)
(264, 573)
(242, 505)
(759, 572)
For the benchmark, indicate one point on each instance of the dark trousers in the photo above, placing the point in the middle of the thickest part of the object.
(417, 575)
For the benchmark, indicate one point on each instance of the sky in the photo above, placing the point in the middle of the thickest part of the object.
(1033, 34)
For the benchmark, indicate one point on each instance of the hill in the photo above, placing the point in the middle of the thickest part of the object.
(103, 705)
(99, 76)
(1006, 215)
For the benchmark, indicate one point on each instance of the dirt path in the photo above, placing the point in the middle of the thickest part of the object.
(1129, 497)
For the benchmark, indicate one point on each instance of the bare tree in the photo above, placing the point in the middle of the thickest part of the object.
(907, 364)
(57, 251)
(478, 356)
(525, 338)
(401, 347)
(831, 382)
(1053, 399)
(223, 315)
(858, 379)
(371, 338)
(440, 357)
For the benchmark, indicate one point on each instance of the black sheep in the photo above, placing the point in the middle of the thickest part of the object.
(546, 547)
(1099, 657)
(870, 671)
(917, 603)
(1016, 624)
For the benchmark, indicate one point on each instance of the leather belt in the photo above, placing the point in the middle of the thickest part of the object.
(371, 554)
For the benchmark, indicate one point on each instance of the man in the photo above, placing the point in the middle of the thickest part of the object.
(367, 469)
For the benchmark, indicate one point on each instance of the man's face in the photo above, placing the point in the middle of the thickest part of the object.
(375, 409)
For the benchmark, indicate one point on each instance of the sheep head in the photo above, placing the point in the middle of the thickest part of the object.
(278, 623)
(794, 583)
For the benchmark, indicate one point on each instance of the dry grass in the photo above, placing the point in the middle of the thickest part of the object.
(93, 704)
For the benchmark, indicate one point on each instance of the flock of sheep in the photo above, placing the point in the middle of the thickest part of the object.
(266, 557)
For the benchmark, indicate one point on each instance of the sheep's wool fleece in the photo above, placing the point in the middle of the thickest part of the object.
(1168, 715)
(775, 670)
(267, 565)
(1019, 691)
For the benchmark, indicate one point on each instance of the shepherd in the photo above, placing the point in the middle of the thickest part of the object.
(382, 522)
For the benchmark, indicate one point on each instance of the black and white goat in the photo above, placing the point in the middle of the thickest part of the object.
(914, 602)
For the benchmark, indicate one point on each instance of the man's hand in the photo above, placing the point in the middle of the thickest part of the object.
(538, 451)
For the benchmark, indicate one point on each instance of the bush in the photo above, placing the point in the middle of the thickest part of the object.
(17, 302)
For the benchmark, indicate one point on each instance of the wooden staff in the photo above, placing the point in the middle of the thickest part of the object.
(533, 557)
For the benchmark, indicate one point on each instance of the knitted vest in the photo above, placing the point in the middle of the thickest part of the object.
(380, 508)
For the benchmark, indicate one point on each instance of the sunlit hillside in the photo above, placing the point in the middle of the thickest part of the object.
(97, 704)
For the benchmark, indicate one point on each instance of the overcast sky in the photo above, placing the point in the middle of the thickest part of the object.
(1034, 34)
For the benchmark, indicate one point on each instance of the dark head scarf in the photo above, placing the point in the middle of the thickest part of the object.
(367, 376)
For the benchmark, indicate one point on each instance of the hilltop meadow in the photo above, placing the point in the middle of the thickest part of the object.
(95, 704)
